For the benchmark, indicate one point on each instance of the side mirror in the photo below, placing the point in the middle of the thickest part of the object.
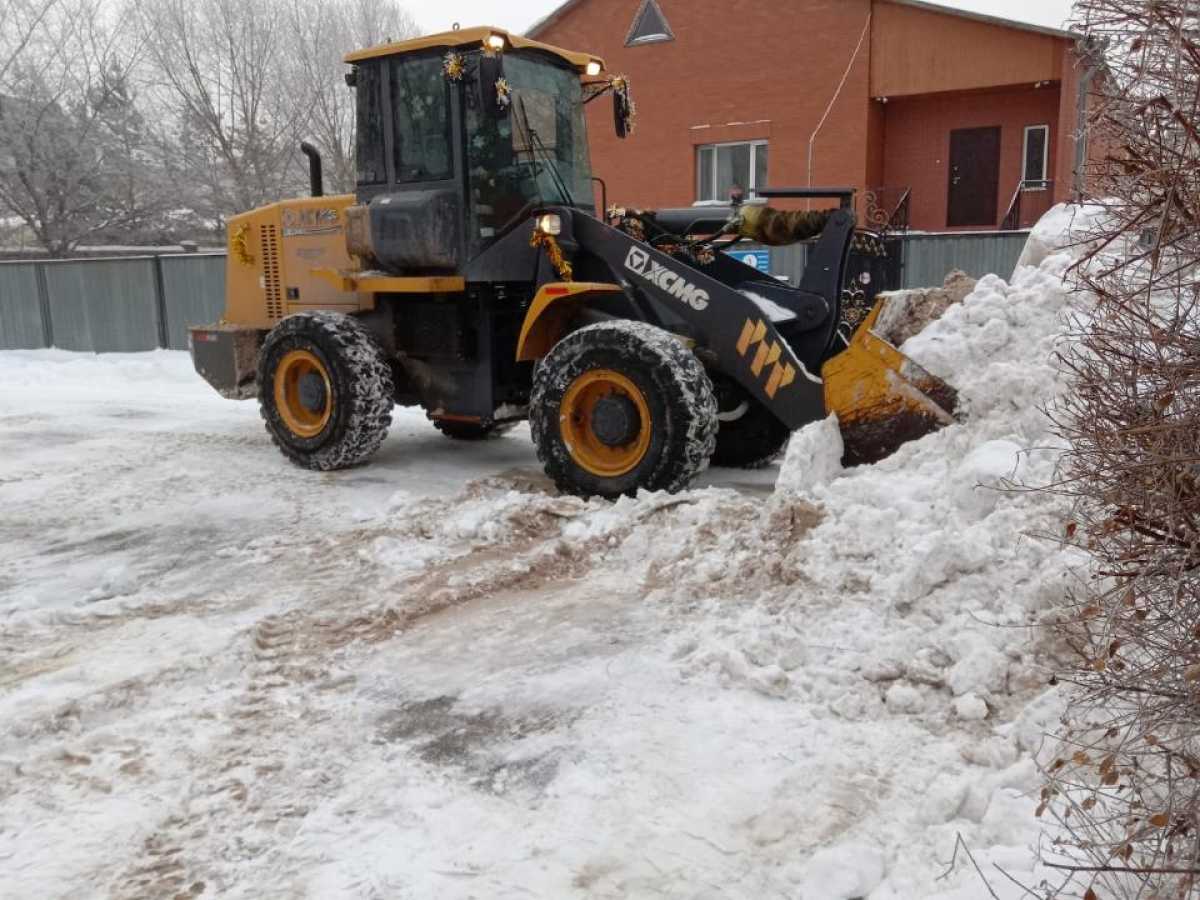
(491, 72)
(621, 114)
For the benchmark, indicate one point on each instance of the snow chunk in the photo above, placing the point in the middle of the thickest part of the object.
(971, 707)
(1037, 722)
(942, 799)
(904, 698)
(845, 872)
(978, 479)
(981, 667)
(769, 307)
(814, 458)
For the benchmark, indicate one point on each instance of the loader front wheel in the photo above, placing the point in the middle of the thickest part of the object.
(325, 390)
(622, 406)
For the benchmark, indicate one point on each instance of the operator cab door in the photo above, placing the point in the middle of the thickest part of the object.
(409, 163)
(532, 153)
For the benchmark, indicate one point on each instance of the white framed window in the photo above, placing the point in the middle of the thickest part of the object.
(1035, 159)
(722, 167)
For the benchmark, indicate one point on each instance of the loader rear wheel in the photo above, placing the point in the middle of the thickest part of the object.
(325, 390)
(749, 436)
(622, 406)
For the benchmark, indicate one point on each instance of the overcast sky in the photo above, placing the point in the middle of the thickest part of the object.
(517, 15)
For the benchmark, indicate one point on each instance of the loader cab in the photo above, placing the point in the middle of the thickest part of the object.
(533, 153)
(458, 139)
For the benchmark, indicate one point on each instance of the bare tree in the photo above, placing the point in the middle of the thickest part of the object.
(1126, 791)
(224, 66)
(127, 124)
(74, 149)
(22, 20)
(322, 33)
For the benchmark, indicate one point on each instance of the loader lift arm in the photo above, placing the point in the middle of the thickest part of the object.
(776, 362)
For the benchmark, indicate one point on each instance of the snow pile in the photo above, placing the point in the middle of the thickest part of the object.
(908, 589)
(158, 371)
(1065, 228)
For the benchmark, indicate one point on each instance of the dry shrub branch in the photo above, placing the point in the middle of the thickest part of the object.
(1124, 796)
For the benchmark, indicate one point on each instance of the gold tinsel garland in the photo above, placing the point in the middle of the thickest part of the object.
(503, 93)
(554, 252)
(454, 66)
(237, 242)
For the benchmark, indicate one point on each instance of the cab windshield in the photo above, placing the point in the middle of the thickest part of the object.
(537, 153)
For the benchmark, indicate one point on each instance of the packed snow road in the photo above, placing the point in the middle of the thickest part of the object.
(221, 675)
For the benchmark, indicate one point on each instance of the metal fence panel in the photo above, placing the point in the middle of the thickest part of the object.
(193, 294)
(929, 258)
(789, 261)
(20, 307)
(103, 304)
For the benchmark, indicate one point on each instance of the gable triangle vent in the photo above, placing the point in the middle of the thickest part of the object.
(649, 26)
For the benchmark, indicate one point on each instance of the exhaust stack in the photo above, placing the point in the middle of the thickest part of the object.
(315, 180)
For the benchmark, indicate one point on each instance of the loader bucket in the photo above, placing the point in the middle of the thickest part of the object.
(882, 398)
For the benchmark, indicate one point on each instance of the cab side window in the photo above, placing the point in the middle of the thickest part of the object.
(421, 116)
(370, 155)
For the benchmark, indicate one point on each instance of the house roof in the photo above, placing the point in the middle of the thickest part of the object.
(563, 8)
(469, 37)
(551, 17)
(983, 17)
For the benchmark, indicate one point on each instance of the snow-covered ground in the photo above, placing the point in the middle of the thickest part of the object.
(432, 677)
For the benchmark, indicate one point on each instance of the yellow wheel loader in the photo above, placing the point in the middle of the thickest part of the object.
(471, 273)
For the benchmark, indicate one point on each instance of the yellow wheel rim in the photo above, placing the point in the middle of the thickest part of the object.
(303, 414)
(606, 459)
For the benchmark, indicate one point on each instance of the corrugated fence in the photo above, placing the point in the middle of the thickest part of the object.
(927, 258)
(109, 305)
(144, 302)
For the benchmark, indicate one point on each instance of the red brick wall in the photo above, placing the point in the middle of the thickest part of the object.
(917, 143)
(1068, 98)
(773, 66)
(1073, 73)
(764, 69)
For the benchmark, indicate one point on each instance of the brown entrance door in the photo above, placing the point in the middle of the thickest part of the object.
(974, 176)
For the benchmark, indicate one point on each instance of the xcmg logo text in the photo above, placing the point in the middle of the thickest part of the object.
(639, 262)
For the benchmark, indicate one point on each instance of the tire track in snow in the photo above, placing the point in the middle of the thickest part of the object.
(253, 775)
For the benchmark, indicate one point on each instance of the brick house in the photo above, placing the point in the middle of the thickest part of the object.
(960, 114)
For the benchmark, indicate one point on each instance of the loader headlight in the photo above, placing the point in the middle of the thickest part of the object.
(550, 223)
(593, 68)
